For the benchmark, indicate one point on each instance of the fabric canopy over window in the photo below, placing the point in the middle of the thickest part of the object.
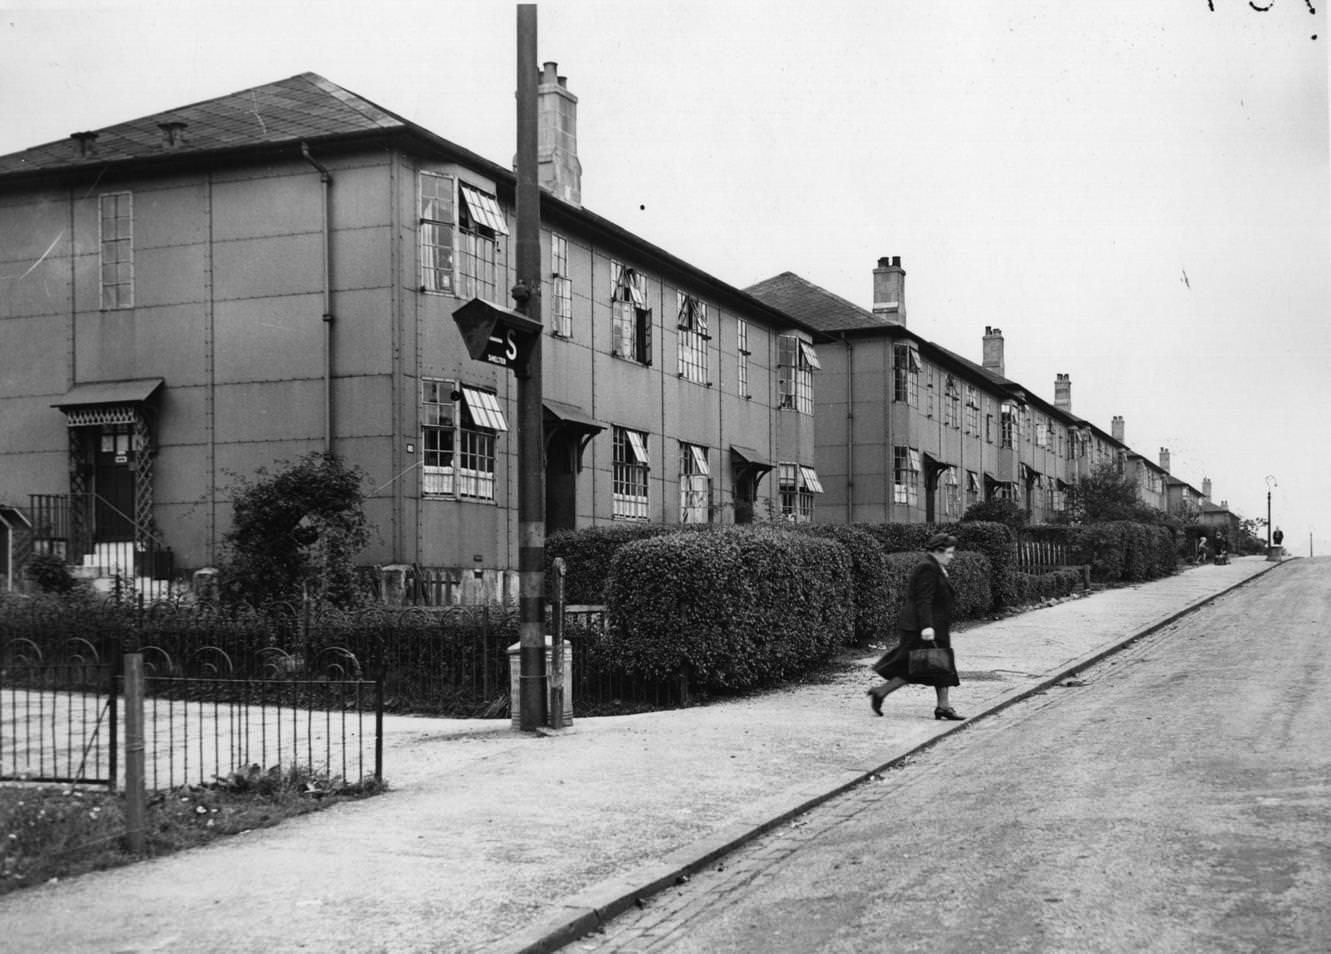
(810, 478)
(484, 408)
(638, 445)
(484, 208)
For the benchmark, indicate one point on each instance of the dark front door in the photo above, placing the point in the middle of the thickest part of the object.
(113, 485)
(561, 481)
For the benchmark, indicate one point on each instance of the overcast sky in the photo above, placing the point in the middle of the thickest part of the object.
(1134, 191)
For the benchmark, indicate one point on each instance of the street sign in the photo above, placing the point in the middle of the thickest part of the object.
(496, 335)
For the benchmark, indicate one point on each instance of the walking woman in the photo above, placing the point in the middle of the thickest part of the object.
(926, 616)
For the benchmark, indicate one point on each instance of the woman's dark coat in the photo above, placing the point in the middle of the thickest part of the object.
(930, 601)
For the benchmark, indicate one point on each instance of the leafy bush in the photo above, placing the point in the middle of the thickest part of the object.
(868, 575)
(299, 529)
(1121, 551)
(995, 540)
(49, 573)
(898, 537)
(1006, 512)
(588, 552)
(969, 574)
(731, 609)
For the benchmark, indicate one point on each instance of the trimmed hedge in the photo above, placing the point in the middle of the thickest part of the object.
(995, 540)
(873, 598)
(588, 553)
(731, 609)
(1120, 551)
(1034, 587)
(969, 573)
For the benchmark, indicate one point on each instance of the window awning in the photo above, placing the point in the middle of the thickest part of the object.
(484, 208)
(972, 481)
(914, 457)
(810, 355)
(810, 478)
(748, 457)
(484, 408)
(638, 445)
(699, 460)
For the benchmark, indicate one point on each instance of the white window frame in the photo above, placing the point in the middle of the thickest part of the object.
(693, 337)
(796, 362)
(631, 465)
(695, 484)
(460, 425)
(906, 467)
(630, 318)
(906, 375)
(742, 352)
(796, 486)
(115, 214)
(561, 288)
(436, 206)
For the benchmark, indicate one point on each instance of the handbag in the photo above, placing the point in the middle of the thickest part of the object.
(929, 661)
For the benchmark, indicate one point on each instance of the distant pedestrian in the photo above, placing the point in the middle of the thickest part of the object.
(926, 619)
(1201, 551)
(1278, 537)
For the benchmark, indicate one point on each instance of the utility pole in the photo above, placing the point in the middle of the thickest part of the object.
(531, 446)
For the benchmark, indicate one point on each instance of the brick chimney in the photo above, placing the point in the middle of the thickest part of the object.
(1206, 488)
(1116, 428)
(889, 290)
(1164, 459)
(559, 171)
(993, 350)
(1063, 392)
(87, 143)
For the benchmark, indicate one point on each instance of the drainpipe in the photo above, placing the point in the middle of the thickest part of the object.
(850, 429)
(326, 180)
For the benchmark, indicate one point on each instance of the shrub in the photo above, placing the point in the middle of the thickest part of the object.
(868, 576)
(49, 573)
(588, 553)
(731, 609)
(1034, 587)
(999, 544)
(297, 530)
(969, 574)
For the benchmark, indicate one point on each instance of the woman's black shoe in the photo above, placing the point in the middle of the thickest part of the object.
(876, 701)
(949, 714)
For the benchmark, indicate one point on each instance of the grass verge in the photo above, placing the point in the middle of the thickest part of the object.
(50, 832)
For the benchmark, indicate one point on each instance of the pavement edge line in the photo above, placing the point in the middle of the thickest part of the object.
(557, 932)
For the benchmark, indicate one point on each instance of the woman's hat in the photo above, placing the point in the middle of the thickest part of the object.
(940, 541)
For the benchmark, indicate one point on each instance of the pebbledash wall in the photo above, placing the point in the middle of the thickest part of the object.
(190, 297)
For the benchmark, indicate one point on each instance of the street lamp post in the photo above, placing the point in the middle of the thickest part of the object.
(1270, 482)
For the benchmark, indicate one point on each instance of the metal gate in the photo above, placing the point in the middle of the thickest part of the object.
(58, 711)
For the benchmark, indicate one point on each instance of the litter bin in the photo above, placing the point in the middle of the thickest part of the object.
(515, 680)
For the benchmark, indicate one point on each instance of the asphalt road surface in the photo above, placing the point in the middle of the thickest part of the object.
(1174, 798)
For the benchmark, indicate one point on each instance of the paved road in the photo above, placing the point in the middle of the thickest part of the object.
(1175, 798)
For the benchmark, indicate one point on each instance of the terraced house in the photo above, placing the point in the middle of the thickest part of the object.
(908, 431)
(224, 286)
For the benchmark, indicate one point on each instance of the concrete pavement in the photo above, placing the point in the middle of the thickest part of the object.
(499, 841)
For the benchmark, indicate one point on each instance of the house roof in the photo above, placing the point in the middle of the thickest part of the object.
(817, 306)
(310, 108)
(292, 110)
